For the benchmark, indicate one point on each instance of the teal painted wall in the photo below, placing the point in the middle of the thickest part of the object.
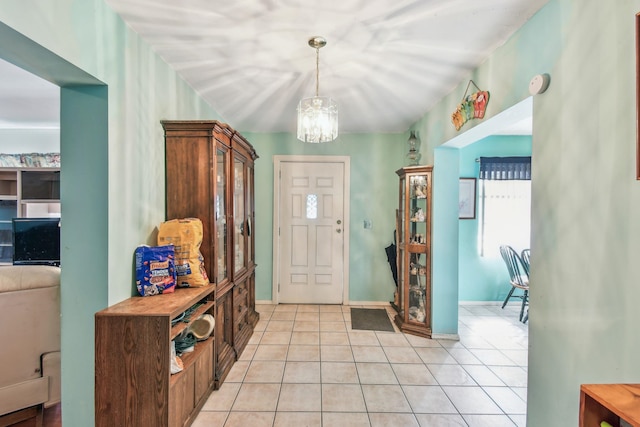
(584, 242)
(374, 196)
(112, 179)
(84, 234)
(483, 278)
(585, 203)
(444, 242)
(585, 197)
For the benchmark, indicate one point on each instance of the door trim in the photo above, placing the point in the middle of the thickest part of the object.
(277, 162)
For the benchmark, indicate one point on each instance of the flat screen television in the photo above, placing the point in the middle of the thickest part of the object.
(36, 241)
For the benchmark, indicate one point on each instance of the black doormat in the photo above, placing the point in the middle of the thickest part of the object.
(371, 319)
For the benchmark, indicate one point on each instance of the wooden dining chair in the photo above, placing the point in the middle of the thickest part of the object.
(518, 276)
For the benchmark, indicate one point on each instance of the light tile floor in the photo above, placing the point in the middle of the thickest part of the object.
(305, 366)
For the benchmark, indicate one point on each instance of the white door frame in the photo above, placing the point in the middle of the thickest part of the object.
(277, 161)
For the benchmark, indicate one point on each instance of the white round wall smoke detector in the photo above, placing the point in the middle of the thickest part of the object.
(539, 83)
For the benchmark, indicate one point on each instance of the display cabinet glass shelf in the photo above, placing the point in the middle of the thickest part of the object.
(413, 301)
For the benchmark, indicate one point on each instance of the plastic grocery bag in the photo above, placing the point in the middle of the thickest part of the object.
(186, 236)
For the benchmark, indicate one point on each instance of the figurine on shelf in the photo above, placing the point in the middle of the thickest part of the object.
(420, 191)
(417, 238)
(418, 269)
(418, 216)
(422, 312)
(417, 313)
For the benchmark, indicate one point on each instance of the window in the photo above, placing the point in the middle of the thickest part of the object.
(312, 206)
(505, 215)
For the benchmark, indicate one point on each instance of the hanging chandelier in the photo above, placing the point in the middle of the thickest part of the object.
(317, 116)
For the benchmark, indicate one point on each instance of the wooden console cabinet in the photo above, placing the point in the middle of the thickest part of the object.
(209, 175)
(134, 384)
(612, 403)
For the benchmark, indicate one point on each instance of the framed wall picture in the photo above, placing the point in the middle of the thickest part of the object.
(467, 202)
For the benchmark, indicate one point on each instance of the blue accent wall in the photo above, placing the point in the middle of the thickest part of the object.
(444, 241)
(84, 238)
(483, 278)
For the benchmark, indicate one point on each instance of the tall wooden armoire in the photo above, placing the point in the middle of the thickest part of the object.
(210, 175)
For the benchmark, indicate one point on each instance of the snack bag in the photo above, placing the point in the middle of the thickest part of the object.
(155, 270)
(186, 236)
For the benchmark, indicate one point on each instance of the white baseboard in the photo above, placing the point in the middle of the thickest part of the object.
(349, 303)
(384, 303)
(480, 302)
(453, 337)
(268, 301)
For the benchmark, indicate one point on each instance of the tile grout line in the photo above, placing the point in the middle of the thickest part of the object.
(412, 345)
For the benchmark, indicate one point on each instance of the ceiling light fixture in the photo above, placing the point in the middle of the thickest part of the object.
(317, 116)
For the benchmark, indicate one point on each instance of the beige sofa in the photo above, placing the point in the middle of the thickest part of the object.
(29, 338)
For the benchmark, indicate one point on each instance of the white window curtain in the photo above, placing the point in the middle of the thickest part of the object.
(505, 194)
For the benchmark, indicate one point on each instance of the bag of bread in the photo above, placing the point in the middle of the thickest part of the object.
(186, 237)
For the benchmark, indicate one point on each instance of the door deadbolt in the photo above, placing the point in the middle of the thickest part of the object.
(338, 222)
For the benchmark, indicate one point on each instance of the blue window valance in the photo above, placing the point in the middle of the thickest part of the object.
(505, 168)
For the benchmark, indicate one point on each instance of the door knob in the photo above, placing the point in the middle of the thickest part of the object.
(338, 230)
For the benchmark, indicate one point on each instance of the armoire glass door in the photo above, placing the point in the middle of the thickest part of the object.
(239, 206)
(250, 217)
(220, 210)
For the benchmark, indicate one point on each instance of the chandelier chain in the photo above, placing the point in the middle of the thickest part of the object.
(317, 116)
(317, 71)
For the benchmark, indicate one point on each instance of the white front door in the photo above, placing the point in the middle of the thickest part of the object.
(311, 226)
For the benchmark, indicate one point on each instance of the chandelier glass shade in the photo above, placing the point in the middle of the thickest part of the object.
(317, 119)
(317, 116)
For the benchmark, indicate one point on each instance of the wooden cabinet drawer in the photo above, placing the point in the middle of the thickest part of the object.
(241, 294)
(240, 300)
(240, 310)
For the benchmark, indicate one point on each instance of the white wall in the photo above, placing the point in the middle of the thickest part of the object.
(17, 141)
